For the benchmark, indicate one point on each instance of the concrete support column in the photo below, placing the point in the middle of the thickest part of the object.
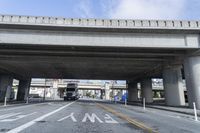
(107, 91)
(23, 89)
(173, 86)
(132, 92)
(192, 76)
(84, 92)
(55, 90)
(6, 82)
(120, 94)
(101, 95)
(146, 88)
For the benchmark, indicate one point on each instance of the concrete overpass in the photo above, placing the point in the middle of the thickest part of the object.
(81, 86)
(132, 50)
(53, 86)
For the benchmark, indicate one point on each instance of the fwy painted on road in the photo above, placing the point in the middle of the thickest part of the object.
(10, 117)
(91, 118)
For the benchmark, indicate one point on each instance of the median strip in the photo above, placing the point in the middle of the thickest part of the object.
(130, 120)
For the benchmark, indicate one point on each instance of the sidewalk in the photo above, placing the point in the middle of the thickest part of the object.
(183, 110)
(162, 106)
(21, 103)
(12, 103)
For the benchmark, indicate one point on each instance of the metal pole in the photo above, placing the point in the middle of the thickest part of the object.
(5, 101)
(195, 112)
(144, 103)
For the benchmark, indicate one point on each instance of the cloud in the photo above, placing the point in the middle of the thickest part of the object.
(145, 9)
(84, 9)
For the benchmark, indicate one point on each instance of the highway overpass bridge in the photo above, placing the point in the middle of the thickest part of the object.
(132, 50)
(38, 83)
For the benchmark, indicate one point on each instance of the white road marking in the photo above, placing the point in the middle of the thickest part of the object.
(8, 115)
(26, 125)
(174, 116)
(71, 116)
(109, 119)
(91, 118)
(14, 108)
(17, 117)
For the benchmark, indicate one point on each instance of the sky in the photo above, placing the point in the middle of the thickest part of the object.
(109, 9)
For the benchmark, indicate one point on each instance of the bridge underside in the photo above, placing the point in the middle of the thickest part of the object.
(133, 50)
(72, 62)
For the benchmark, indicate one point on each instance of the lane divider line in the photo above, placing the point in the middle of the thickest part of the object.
(130, 120)
(26, 125)
(14, 107)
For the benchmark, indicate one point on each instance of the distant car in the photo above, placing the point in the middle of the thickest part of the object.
(35, 97)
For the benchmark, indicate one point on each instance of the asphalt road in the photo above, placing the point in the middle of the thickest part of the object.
(85, 116)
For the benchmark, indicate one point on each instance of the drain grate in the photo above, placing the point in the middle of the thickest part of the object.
(41, 121)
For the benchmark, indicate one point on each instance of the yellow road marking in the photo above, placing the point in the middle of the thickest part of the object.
(130, 120)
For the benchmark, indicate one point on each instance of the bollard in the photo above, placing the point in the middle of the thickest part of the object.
(5, 101)
(144, 103)
(27, 100)
(195, 112)
(125, 101)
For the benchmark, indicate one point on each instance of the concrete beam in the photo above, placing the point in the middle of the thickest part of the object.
(131, 40)
(146, 88)
(5, 87)
(173, 86)
(192, 76)
(132, 92)
(23, 89)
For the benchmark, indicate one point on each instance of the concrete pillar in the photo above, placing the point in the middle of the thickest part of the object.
(101, 95)
(84, 92)
(173, 86)
(132, 92)
(115, 92)
(23, 89)
(107, 91)
(146, 88)
(120, 93)
(55, 95)
(192, 76)
(6, 82)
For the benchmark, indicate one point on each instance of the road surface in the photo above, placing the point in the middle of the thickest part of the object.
(87, 116)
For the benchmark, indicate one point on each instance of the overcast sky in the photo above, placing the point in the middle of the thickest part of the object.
(129, 9)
